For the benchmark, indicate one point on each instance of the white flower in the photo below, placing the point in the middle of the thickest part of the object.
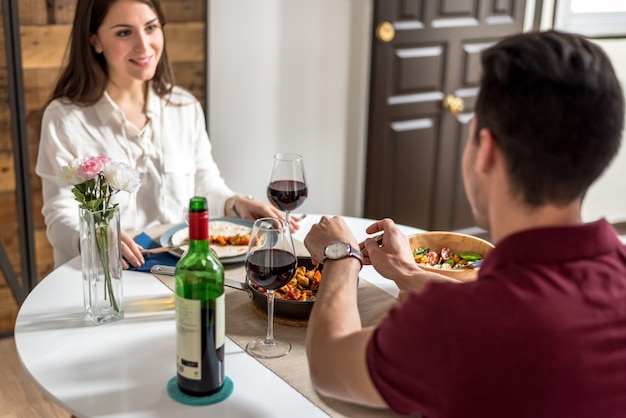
(69, 174)
(121, 177)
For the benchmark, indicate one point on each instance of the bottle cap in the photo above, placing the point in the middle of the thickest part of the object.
(198, 219)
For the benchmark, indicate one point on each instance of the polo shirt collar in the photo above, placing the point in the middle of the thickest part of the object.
(553, 244)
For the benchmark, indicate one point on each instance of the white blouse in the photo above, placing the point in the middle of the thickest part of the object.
(172, 153)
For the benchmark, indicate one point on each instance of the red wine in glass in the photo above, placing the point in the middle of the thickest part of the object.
(271, 268)
(270, 263)
(287, 187)
(287, 195)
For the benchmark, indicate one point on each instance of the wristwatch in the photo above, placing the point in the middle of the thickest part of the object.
(337, 250)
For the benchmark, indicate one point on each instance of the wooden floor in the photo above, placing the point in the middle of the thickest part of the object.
(19, 398)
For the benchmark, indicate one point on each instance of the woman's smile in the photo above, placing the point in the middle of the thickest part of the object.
(131, 40)
(142, 62)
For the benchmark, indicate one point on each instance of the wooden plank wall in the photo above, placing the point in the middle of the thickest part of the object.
(45, 27)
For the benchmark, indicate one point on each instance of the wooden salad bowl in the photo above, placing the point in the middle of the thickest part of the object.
(436, 240)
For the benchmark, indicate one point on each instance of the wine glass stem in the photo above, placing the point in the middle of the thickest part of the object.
(269, 338)
(287, 213)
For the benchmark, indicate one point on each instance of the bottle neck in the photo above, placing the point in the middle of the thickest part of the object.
(199, 226)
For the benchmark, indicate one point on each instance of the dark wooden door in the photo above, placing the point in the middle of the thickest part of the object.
(429, 49)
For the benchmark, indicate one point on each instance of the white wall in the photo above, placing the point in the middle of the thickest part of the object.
(607, 196)
(292, 75)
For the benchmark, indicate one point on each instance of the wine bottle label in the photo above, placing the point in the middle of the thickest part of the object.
(220, 320)
(188, 338)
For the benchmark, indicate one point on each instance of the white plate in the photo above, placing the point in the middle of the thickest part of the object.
(234, 254)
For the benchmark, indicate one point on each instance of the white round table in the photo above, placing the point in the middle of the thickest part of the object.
(121, 369)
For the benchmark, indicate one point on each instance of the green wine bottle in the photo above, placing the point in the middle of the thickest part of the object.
(200, 316)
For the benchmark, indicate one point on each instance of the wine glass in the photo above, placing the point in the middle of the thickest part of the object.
(270, 263)
(287, 189)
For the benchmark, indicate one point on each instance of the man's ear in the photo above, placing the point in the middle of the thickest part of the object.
(488, 150)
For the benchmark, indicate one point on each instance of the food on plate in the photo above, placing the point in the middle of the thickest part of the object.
(239, 239)
(302, 286)
(226, 238)
(446, 258)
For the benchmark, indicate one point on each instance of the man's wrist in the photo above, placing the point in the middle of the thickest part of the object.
(357, 262)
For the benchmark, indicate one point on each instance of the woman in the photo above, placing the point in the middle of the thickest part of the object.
(117, 98)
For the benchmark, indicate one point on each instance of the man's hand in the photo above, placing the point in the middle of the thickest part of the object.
(393, 258)
(323, 233)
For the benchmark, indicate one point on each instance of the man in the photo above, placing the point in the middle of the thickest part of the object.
(542, 332)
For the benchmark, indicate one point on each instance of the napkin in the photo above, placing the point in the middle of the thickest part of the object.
(165, 258)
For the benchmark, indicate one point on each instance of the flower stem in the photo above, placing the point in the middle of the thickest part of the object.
(102, 240)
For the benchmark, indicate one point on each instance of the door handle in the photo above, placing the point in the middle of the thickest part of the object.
(453, 104)
(385, 32)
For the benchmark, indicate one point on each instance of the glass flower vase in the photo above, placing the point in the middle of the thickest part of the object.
(101, 260)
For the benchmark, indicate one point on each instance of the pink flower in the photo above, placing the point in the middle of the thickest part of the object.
(104, 160)
(90, 168)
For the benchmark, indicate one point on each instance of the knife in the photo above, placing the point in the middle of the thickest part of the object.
(170, 270)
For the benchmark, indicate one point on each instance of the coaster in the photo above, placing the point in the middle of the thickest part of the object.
(175, 393)
(281, 320)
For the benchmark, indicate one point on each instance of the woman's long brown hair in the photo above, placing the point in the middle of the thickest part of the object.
(84, 79)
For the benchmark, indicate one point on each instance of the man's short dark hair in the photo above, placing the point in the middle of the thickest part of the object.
(556, 108)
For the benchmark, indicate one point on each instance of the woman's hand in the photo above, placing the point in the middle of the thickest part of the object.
(131, 252)
(253, 209)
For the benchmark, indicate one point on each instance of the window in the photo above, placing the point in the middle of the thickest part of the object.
(594, 18)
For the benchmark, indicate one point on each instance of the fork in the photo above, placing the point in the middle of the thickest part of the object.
(162, 249)
(379, 240)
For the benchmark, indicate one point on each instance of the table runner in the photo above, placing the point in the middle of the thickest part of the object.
(243, 325)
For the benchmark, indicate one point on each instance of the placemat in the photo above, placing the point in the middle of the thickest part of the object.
(280, 320)
(243, 325)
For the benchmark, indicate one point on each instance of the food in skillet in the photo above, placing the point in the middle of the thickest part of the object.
(302, 286)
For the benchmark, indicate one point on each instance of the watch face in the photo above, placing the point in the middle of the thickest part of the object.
(337, 250)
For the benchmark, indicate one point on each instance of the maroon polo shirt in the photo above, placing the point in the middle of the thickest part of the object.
(541, 333)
